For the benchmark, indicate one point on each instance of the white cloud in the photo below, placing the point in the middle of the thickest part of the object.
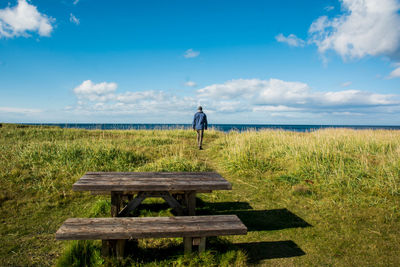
(190, 84)
(190, 53)
(76, 2)
(367, 28)
(291, 40)
(23, 18)
(346, 84)
(74, 19)
(95, 92)
(395, 73)
(88, 87)
(23, 111)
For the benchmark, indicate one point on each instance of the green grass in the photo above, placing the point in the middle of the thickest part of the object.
(326, 198)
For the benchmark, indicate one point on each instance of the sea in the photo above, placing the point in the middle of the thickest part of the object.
(220, 127)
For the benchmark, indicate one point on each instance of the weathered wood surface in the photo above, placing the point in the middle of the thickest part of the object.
(127, 193)
(151, 181)
(147, 227)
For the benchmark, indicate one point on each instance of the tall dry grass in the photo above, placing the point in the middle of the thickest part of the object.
(333, 160)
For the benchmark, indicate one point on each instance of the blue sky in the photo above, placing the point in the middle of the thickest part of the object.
(279, 62)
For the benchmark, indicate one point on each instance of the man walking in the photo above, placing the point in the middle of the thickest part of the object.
(199, 125)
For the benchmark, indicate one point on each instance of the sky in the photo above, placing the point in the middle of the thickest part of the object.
(248, 62)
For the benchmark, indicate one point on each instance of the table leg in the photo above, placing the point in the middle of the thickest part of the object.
(105, 248)
(120, 248)
(115, 203)
(202, 245)
(187, 242)
(191, 202)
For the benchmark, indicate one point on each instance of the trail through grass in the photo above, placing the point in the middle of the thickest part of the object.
(326, 198)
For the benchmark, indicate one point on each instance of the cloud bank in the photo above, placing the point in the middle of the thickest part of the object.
(271, 97)
(22, 19)
(251, 93)
(102, 97)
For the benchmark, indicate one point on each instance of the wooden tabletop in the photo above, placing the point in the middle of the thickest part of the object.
(151, 181)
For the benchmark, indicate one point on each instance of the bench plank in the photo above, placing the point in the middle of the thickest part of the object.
(147, 227)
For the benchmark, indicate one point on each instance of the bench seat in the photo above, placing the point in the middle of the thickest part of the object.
(125, 228)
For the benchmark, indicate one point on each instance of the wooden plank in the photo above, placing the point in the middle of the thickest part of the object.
(134, 192)
(144, 227)
(117, 233)
(177, 177)
(151, 181)
(147, 187)
(156, 221)
(155, 174)
(160, 220)
(159, 179)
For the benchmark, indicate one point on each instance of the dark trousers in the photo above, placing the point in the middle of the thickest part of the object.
(200, 134)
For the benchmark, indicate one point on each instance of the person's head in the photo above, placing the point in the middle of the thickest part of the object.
(200, 108)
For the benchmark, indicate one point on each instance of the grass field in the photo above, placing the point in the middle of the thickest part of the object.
(324, 198)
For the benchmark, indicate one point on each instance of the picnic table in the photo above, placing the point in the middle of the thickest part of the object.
(178, 189)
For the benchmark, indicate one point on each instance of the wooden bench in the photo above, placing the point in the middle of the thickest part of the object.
(115, 231)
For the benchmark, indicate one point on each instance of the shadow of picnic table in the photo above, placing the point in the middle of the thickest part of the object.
(255, 220)
(259, 220)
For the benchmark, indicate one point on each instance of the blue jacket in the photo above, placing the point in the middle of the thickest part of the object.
(200, 121)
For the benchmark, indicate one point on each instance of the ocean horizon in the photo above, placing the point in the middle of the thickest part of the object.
(220, 127)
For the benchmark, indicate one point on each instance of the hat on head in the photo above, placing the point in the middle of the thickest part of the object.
(200, 108)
